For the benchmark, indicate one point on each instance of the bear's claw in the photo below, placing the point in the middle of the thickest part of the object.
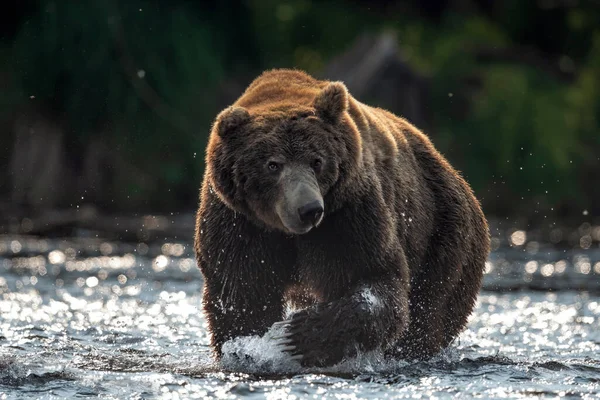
(282, 323)
(283, 336)
(283, 342)
(286, 348)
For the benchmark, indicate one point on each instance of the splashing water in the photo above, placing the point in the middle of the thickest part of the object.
(258, 355)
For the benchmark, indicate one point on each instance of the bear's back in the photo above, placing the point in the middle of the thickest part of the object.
(279, 90)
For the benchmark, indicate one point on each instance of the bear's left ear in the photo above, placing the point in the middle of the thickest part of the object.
(332, 101)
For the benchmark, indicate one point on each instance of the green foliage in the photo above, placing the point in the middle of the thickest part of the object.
(140, 77)
(149, 76)
(501, 121)
(303, 33)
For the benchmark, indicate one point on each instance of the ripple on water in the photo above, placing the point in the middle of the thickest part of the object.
(137, 329)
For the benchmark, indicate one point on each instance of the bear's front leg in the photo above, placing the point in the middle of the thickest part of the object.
(373, 316)
(245, 270)
(239, 308)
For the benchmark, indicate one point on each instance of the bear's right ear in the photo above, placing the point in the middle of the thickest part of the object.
(332, 101)
(230, 119)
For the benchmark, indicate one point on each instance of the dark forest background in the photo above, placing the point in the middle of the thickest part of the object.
(110, 102)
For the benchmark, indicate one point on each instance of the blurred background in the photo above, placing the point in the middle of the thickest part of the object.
(105, 111)
(105, 106)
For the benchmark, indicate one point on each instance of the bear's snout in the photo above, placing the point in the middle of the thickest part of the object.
(301, 207)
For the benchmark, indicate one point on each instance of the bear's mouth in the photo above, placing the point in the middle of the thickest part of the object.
(297, 227)
(300, 232)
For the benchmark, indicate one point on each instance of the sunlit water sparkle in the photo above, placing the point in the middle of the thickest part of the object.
(82, 317)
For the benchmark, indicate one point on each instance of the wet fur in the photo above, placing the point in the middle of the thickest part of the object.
(399, 220)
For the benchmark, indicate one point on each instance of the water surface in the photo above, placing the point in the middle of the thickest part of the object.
(85, 317)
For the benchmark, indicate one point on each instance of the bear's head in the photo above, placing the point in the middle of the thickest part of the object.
(284, 164)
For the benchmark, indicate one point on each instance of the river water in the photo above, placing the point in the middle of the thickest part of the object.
(85, 317)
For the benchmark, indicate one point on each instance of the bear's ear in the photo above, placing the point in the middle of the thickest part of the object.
(332, 101)
(230, 119)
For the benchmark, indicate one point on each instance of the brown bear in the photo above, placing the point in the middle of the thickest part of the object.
(315, 200)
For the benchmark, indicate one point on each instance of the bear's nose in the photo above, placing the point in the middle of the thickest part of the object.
(311, 212)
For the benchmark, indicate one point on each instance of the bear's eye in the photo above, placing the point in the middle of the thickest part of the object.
(317, 164)
(273, 166)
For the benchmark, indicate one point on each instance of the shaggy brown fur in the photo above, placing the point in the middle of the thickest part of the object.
(396, 261)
